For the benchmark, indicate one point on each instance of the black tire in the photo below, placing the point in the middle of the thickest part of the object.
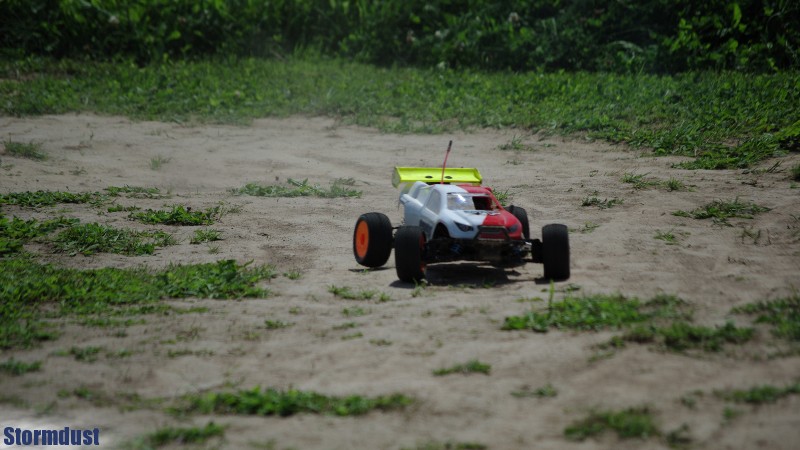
(408, 246)
(372, 239)
(522, 216)
(555, 252)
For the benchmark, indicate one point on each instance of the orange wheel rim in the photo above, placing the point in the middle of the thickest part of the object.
(362, 239)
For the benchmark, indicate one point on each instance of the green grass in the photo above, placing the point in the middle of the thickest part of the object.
(91, 238)
(720, 211)
(134, 192)
(201, 236)
(666, 236)
(719, 119)
(782, 314)
(601, 204)
(157, 162)
(185, 435)
(31, 292)
(85, 354)
(178, 215)
(449, 445)
(17, 368)
(15, 232)
(581, 313)
(628, 423)
(473, 366)
(348, 293)
(29, 150)
(638, 181)
(759, 395)
(680, 336)
(545, 391)
(276, 324)
(274, 402)
(341, 187)
(49, 198)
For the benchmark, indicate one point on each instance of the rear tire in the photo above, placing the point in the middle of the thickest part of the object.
(372, 239)
(522, 216)
(555, 252)
(409, 243)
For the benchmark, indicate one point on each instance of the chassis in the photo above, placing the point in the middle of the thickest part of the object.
(448, 221)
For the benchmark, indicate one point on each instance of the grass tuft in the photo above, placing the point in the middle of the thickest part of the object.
(178, 215)
(17, 368)
(273, 402)
(628, 423)
(473, 366)
(720, 211)
(783, 314)
(49, 198)
(341, 187)
(29, 150)
(201, 236)
(759, 395)
(91, 238)
(601, 204)
(183, 436)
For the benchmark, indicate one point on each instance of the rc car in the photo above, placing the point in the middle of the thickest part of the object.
(449, 216)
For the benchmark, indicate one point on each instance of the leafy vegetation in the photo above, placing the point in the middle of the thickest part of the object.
(178, 215)
(783, 314)
(134, 191)
(628, 423)
(91, 238)
(48, 198)
(650, 35)
(30, 150)
(347, 293)
(582, 313)
(680, 336)
(15, 232)
(542, 392)
(201, 236)
(720, 211)
(190, 435)
(30, 291)
(758, 395)
(473, 366)
(339, 188)
(601, 204)
(16, 368)
(273, 402)
(722, 120)
(449, 445)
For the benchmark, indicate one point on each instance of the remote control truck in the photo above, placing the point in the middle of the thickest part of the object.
(453, 217)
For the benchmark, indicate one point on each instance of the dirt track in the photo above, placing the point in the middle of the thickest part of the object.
(456, 319)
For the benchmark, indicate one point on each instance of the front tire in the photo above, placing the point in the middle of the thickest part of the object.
(372, 239)
(409, 243)
(522, 216)
(555, 252)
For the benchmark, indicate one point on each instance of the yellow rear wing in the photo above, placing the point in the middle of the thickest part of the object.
(433, 175)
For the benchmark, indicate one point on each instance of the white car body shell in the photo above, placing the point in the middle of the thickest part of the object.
(427, 206)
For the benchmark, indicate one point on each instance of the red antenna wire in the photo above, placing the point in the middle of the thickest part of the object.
(444, 164)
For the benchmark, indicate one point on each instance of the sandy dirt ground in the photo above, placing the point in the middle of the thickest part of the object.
(395, 345)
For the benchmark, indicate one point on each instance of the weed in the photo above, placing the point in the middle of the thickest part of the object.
(157, 161)
(357, 335)
(16, 368)
(192, 435)
(673, 184)
(720, 211)
(666, 236)
(346, 293)
(339, 188)
(680, 336)
(49, 198)
(134, 192)
(345, 326)
(515, 143)
(30, 150)
(782, 314)
(85, 354)
(15, 232)
(449, 445)
(638, 180)
(473, 366)
(293, 274)
(201, 236)
(27, 288)
(120, 208)
(504, 196)
(92, 238)
(588, 227)
(354, 312)
(273, 402)
(542, 392)
(178, 215)
(601, 204)
(583, 313)
(759, 395)
(679, 437)
(795, 172)
(380, 342)
(628, 423)
(277, 324)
